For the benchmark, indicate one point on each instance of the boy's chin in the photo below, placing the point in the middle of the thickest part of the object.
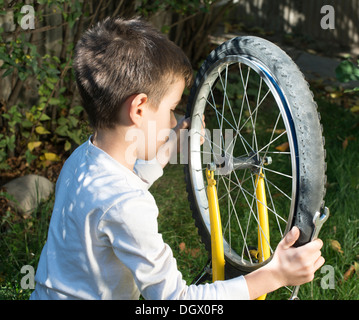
(146, 157)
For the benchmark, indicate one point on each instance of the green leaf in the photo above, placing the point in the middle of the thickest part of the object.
(34, 144)
(347, 71)
(23, 76)
(50, 85)
(354, 109)
(42, 130)
(56, 59)
(44, 117)
(26, 124)
(76, 110)
(62, 121)
(67, 145)
(51, 156)
(62, 131)
(73, 121)
(75, 136)
(6, 116)
(4, 56)
(8, 72)
(53, 80)
(54, 101)
(2, 141)
(351, 90)
(10, 142)
(29, 157)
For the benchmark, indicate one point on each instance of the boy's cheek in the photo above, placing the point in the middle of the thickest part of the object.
(161, 141)
(154, 137)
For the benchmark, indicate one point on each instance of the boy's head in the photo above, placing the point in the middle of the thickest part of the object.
(119, 58)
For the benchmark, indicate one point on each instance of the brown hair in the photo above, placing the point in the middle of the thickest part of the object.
(118, 58)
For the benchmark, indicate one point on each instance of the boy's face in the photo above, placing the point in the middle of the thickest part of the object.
(158, 122)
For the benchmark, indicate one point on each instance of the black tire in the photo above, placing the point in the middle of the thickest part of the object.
(287, 86)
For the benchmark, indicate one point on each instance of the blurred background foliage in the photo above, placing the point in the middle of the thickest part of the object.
(41, 117)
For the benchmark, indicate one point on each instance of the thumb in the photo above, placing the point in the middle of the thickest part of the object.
(186, 123)
(290, 238)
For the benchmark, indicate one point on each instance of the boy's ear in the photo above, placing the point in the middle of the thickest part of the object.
(137, 107)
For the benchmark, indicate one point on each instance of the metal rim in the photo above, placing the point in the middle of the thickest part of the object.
(195, 161)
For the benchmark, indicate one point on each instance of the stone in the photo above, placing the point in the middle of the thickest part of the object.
(27, 192)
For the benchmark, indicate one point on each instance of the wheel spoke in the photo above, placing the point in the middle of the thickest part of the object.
(253, 196)
(276, 172)
(235, 130)
(237, 97)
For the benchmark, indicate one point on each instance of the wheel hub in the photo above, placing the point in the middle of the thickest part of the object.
(230, 163)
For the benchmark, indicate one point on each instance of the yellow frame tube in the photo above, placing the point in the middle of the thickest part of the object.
(216, 229)
(263, 223)
(218, 261)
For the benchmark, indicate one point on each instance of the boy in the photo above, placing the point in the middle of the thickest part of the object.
(103, 241)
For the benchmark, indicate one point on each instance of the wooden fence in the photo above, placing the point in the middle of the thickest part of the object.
(303, 17)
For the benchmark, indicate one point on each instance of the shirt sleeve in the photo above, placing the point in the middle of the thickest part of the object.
(131, 227)
(148, 171)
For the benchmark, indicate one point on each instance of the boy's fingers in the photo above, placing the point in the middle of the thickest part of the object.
(203, 132)
(318, 243)
(183, 123)
(186, 123)
(313, 246)
(291, 237)
(320, 261)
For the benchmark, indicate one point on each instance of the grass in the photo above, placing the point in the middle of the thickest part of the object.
(342, 198)
(21, 244)
(22, 240)
(343, 201)
(176, 223)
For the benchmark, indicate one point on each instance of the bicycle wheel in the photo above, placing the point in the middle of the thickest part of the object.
(260, 119)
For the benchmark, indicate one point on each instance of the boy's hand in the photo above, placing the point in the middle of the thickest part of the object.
(290, 266)
(296, 265)
(184, 123)
(173, 144)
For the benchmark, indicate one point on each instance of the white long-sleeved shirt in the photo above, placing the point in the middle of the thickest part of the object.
(103, 240)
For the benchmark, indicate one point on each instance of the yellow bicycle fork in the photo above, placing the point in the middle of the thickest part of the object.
(263, 223)
(216, 228)
(218, 260)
